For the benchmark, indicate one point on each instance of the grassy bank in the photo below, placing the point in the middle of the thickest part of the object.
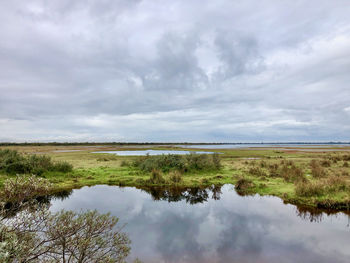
(317, 178)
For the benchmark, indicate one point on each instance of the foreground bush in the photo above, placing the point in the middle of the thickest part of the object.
(35, 234)
(65, 236)
(13, 162)
(186, 163)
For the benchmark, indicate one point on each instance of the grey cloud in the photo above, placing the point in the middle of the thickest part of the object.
(195, 71)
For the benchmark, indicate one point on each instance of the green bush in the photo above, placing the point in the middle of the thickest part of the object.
(171, 162)
(63, 167)
(13, 162)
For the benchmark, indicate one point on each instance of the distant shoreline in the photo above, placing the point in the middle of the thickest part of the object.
(164, 143)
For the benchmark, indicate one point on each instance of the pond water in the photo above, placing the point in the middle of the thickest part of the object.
(259, 145)
(216, 225)
(150, 152)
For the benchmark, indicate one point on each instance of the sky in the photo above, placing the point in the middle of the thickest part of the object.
(174, 70)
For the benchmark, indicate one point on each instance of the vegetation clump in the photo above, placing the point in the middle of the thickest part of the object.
(12, 162)
(292, 173)
(156, 177)
(24, 188)
(175, 177)
(183, 164)
(256, 171)
(244, 185)
(318, 171)
(328, 185)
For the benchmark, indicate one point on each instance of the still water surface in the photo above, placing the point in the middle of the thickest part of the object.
(216, 225)
(261, 145)
(150, 152)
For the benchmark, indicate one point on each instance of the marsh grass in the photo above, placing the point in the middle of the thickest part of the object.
(318, 172)
(332, 184)
(292, 173)
(175, 177)
(257, 171)
(156, 177)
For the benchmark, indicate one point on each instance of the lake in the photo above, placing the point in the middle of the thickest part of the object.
(216, 225)
(261, 145)
(151, 152)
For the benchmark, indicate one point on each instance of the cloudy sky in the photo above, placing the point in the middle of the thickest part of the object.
(172, 70)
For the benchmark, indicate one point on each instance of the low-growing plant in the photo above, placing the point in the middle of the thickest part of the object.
(156, 177)
(63, 167)
(124, 164)
(318, 171)
(256, 171)
(308, 189)
(244, 185)
(263, 164)
(292, 173)
(326, 163)
(175, 177)
(346, 157)
(335, 183)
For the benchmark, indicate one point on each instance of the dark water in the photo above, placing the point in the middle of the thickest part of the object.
(217, 225)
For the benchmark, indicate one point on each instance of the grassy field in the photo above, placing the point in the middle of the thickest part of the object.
(305, 176)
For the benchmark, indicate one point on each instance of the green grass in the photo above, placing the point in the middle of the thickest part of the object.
(279, 173)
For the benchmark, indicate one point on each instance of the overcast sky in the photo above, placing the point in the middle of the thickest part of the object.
(168, 70)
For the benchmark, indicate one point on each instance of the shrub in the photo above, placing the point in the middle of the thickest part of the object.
(65, 236)
(335, 183)
(156, 177)
(216, 161)
(318, 172)
(308, 189)
(63, 167)
(244, 185)
(171, 162)
(328, 185)
(263, 164)
(13, 162)
(274, 170)
(124, 163)
(346, 157)
(256, 171)
(326, 163)
(292, 173)
(345, 164)
(24, 188)
(175, 177)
